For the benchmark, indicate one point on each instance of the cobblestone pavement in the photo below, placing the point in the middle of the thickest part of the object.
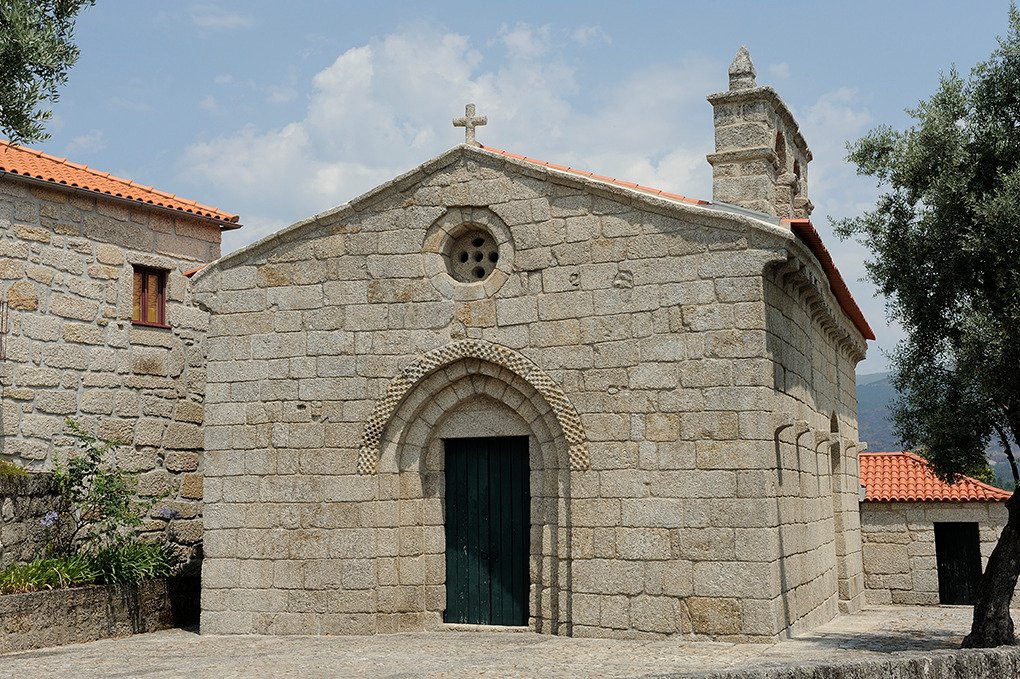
(180, 653)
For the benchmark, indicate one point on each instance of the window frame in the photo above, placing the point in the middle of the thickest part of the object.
(161, 277)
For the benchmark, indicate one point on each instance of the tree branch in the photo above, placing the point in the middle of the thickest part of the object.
(1009, 453)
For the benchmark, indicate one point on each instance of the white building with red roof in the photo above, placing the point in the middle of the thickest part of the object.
(925, 541)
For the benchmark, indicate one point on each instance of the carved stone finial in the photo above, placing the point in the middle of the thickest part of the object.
(469, 121)
(742, 71)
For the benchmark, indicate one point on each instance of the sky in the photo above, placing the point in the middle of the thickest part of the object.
(279, 110)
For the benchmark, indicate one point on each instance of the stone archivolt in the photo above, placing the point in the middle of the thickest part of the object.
(504, 357)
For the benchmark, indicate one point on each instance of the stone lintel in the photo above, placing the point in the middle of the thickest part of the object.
(743, 155)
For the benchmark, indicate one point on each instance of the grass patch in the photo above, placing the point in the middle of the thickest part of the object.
(11, 469)
(119, 564)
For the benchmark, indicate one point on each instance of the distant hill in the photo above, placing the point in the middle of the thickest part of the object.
(874, 397)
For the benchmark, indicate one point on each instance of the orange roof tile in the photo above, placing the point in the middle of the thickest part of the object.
(191, 272)
(802, 228)
(26, 162)
(899, 477)
(590, 175)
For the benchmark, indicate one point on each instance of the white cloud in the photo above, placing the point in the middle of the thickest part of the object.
(524, 41)
(209, 104)
(384, 107)
(835, 118)
(224, 79)
(280, 94)
(214, 18)
(587, 35)
(781, 71)
(130, 104)
(87, 143)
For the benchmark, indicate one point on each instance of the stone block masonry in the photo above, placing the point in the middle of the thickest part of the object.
(683, 378)
(83, 614)
(899, 546)
(66, 271)
(24, 501)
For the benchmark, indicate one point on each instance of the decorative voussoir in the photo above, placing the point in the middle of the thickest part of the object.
(487, 352)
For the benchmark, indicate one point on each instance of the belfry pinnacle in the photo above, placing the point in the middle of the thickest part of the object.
(742, 71)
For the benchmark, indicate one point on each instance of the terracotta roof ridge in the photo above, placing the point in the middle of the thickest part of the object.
(591, 175)
(808, 234)
(120, 187)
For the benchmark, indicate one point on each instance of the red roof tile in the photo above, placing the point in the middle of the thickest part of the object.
(900, 477)
(26, 162)
(191, 272)
(590, 175)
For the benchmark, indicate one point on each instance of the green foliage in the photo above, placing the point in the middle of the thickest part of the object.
(135, 561)
(36, 52)
(127, 562)
(985, 474)
(98, 507)
(11, 469)
(945, 235)
(90, 536)
(48, 573)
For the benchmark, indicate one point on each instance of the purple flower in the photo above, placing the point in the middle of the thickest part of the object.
(49, 518)
(167, 513)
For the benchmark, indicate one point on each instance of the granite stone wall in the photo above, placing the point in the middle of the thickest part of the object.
(71, 350)
(899, 546)
(646, 318)
(83, 614)
(24, 501)
(761, 159)
(816, 449)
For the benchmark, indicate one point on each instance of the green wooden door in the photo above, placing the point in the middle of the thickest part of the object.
(487, 530)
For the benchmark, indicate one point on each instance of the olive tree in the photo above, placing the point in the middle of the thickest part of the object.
(36, 51)
(945, 242)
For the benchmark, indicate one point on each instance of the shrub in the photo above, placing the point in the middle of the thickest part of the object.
(135, 561)
(90, 537)
(127, 562)
(98, 504)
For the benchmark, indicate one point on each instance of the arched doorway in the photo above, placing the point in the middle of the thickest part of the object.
(470, 398)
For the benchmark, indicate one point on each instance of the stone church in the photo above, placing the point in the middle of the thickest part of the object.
(499, 391)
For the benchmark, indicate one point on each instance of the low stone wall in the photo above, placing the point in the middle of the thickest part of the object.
(24, 500)
(74, 616)
(994, 663)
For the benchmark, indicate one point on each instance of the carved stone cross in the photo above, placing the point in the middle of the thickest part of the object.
(469, 121)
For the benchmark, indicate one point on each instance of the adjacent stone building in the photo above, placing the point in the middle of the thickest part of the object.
(497, 390)
(926, 542)
(78, 250)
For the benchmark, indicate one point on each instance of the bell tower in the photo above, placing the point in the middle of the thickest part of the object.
(761, 159)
